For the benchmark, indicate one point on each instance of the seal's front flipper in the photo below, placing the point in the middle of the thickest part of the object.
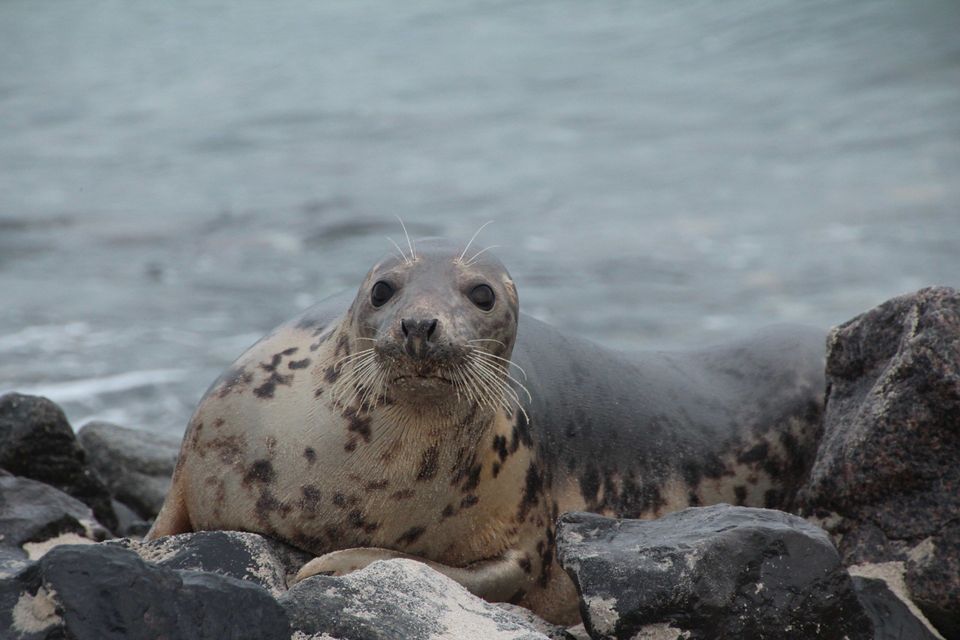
(173, 517)
(496, 580)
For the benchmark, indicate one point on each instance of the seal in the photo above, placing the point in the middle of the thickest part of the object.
(429, 418)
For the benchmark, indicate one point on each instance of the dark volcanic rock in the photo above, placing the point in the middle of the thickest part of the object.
(103, 592)
(31, 511)
(888, 462)
(241, 555)
(37, 442)
(715, 572)
(398, 599)
(891, 618)
(135, 465)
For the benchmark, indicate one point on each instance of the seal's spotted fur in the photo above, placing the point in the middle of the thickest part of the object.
(397, 452)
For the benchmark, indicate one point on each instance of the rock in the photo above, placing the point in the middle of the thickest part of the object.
(129, 523)
(537, 623)
(887, 465)
(933, 577)
(135, 465)
(714, 573)
(32, 512)
(37, 442)
(398, 599)
(891, 618)
(104, 592)
(241, 555)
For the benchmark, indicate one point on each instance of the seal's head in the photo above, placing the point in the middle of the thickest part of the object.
(434, 326)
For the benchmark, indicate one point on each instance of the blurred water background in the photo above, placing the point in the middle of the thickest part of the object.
(178, 177)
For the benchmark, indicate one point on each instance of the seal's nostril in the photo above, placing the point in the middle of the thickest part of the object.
(431, 328)
(403, 327)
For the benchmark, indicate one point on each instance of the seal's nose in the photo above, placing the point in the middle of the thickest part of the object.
(417, 334)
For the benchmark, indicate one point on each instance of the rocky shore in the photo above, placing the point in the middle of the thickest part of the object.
(872, 553)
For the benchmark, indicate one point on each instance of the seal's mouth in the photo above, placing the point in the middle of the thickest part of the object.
(420, 379)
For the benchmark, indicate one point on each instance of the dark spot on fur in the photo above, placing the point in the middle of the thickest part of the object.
(590, 484)
(447, 511)
(496, 469)
(740, 492)
(235, 379)
(523, 428)
(356, 520)
(219, 422)
(524, 563)
(473, 479)
(260, 471)
(546, 560)
(267, 389)
(228, 448)
(774, 467)
(429, 463)
(754, 454)
(340, 500)
(377, 485)
(500, 446)
(469, 501)
(331, 374)
(357, 424)
(773, 499)
(351, 445)
(310, 454)
(273, 364)
(410, 536)
(693, 499)
(299, 364)
(195, 436)
(289, 351)
(310, 498)
(533, 487)
(267, 503)
(403, 494)
(343, 346)
(461, 466)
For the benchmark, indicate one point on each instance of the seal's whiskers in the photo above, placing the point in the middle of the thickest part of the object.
(459, 260)
(486, 354)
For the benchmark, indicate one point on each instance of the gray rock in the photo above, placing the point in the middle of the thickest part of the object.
(241, 555)
(887, 464)
(103, 592)
(398, 599)
(129, 522)
(32, 512)
(534, 621)
(715, 573)
(136, 465)
(37, 442)
(933, 577)
(891, 618)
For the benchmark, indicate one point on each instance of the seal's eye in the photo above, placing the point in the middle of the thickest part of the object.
(380, 293)
(482, 296)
